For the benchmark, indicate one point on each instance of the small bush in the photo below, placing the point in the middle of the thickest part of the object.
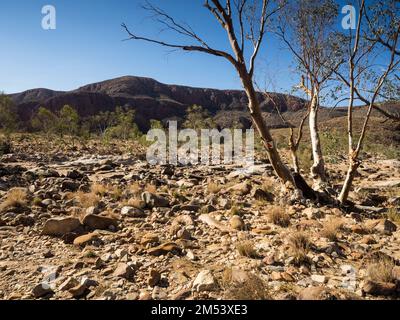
(394, 215)
(246, 249)
(252, 288)
(213, 188)
(331, 228)
(278, 216)
(299, 245)
(15, 198)
(87, 200)
(381, 271)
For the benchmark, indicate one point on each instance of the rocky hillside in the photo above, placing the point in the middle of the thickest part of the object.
(151, 99)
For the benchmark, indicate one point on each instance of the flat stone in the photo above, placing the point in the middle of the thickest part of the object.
(132, 212)
(99, 222)
(86, 239)
(60, 226)
(164, 249)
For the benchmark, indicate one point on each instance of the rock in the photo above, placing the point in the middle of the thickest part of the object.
(208, 208)
(93, 210)
(69, 185)
(313, 213)
(368, 240)
(132, 212)
(236, 223)
(98, 222)
(225, 203)
(241, 188)
(42, 290)
(315, 293)
(69, 284)
(48, 254)
(358, 229)
(379, 288)
(86, 239)
(149, 238)
(75, 175)
(318, 278)
(154, 201)
(205, 281)
(154, 277)
(261, 195)
(385, 226)
(79, 291)
(23, 220)
(164, 249)
(60, 226)
(124, 271)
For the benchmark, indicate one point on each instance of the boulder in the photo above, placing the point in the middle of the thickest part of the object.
(124, 271)
(98, 222)
(154, 201)
(205, 281)
(60, 226)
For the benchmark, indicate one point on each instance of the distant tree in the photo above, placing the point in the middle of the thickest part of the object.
(102, 121)
(8, 114)
(45, 120)
(125, 126)
(198, 118)
(68, 121)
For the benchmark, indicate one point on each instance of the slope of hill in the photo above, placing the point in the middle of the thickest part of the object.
(150, 98)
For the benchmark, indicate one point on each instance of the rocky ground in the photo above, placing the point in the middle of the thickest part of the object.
(97, 222)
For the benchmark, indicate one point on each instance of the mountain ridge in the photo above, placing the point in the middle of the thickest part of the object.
(150, 98)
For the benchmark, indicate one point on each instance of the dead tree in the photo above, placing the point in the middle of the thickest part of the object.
(362, 46)
(244, 22)
(306, 28)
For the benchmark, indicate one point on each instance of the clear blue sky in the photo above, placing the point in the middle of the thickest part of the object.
(87, 47)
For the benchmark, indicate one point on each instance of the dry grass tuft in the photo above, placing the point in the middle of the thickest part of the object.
(278, 216)
(16, 197)
(252, 288)
(381, 271)
(150, 188)
(299, 245)
(213, 188)
(136, 203)
(135, 189)
(331, 228)
(87, 200)
(394, 215)
(99, 189)
(246, 249)
(268, 186)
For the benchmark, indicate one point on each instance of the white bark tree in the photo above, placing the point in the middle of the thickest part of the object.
(244, 22)
(363, 79)
(306, 28)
